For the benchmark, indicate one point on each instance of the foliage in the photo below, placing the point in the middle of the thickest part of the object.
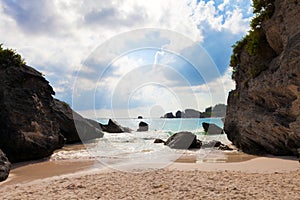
(236, 94)
(10, 57)
(263, 10)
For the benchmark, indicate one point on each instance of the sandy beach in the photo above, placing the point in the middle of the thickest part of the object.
(255, 177)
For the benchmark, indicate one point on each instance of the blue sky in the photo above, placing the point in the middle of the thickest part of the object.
(131, 57)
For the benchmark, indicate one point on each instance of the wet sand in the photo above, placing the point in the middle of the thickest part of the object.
(25, 172)
(32, 171)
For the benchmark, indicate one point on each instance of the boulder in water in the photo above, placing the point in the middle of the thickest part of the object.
(212, 129)
(179, 114)
(159, 141)
(143, 126)
(114, 127)
(183, 140)
(169, 115)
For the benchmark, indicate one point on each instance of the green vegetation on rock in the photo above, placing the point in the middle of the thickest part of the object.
(255, 39)
(10, 57)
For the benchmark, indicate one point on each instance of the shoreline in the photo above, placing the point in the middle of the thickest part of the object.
(26, 172)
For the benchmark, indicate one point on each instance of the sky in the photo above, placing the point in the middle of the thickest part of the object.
(125, 58)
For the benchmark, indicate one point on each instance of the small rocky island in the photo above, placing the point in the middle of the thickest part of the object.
(218, 110)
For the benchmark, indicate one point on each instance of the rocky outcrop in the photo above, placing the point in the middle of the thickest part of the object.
(212, 129)
(4, 166)
(156, 141)
(28, 127)
(211, 144)
(183, 140)
(216, 144)
(218, 110)
(179, 114)
(32, 123)
(73, 126)
(191, 113)
(263, 113)
(169, 115)
(143, 126)
(114, 127)
(187, 140)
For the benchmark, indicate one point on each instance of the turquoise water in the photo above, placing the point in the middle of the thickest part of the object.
(138, 148)
(173, 125)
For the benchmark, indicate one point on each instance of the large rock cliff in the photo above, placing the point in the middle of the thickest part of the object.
(32, 123)
(28, 128)
(263, 113)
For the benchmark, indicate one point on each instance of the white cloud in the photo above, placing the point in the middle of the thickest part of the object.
(236, 22)
(215, 91)
(221, 7)
(56, 37)
(169, 99)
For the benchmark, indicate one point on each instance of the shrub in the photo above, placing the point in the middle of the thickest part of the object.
(263, 10)
(10, 57)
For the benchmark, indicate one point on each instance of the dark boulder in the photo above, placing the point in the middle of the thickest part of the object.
(216, 144)
(179, 114)
(28, 127)
(71, 123)
(183, 140)
(140, 117)
(191, 113)
(211, 144)
(143, 126)
(4, 166)
(169, 115)
(156, 141)
(224, 147)
(212, 129)
(114, 127)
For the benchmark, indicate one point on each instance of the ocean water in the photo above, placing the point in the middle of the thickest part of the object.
(137, 148)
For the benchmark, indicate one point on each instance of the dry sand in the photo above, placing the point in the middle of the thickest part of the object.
(259, 178)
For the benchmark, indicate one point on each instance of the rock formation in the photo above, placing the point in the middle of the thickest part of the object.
(183, 140)
(191, 113)
(156, 141)
(4, 166)
(179, 114)
(114, 127)
(212, 129)
(187, 140)
(263, 113)
(216, 144)
(169, 115)
(71, 123)
(28, 127)
(143, 126)
(218, 110)
(32, 123)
